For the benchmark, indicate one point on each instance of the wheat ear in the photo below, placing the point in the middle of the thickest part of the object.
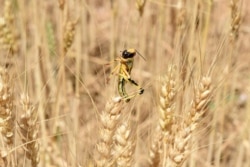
(166, 120)
(166, 108)
(167, 103)
(154, 153)
(7, 36)
(109, 119)
(124, 146)
(180, 149)
(6, 112)
(29, 130)
(69, 35)
(235, 20)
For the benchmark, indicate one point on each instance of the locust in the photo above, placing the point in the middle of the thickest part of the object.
(123, 70)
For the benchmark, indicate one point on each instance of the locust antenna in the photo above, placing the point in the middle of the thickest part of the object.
(141, 55)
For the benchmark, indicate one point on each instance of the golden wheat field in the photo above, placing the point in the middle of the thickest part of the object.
(70, 97)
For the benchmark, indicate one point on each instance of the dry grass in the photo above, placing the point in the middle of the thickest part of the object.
(195, 108)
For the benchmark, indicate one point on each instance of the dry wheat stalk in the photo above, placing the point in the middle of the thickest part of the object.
(180, 150)
(29, 130)
(124, 146)
(109, 119)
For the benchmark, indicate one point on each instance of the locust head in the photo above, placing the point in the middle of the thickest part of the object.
(128, 53)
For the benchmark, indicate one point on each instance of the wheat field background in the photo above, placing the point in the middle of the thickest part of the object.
(59, 105)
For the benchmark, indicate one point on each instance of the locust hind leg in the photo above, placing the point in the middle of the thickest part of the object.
(141, 90)
(122, 90)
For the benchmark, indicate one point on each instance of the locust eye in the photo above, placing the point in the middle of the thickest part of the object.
(128, 54)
